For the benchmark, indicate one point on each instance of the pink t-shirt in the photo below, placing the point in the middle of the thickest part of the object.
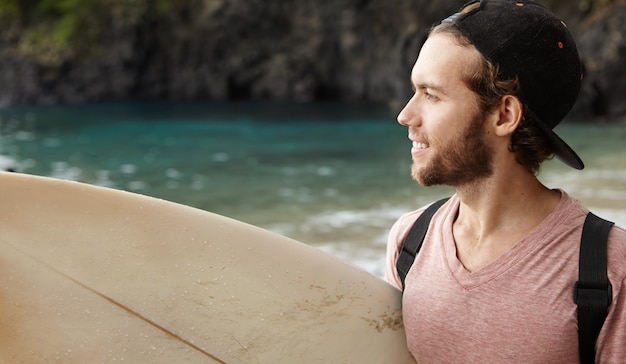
(517, 309)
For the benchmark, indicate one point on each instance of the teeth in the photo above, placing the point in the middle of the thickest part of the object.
(417, 145)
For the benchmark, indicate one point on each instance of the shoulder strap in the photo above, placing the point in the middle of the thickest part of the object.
(413, 241)
(592, 292)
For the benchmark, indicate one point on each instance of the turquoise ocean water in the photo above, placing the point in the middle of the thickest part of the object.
(335, 176)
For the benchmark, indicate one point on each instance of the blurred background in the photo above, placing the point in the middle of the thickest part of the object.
(280, 114)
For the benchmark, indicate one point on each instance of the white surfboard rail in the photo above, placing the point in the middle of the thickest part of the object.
(92, 274)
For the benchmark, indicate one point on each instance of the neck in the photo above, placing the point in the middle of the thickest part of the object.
(497, 212)
(495, 202)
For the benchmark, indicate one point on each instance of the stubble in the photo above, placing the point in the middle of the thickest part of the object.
(460, 162)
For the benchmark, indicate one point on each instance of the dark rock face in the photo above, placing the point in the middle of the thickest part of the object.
(602, 45)
(299, 50)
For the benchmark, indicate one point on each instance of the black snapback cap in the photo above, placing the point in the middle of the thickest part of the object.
(525, 40)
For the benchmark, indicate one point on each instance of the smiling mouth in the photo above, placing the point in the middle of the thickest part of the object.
(418, 148)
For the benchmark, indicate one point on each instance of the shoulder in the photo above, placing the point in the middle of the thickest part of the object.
(402, 226)
(618, 235)
(398, 234)
(616, 251)
(611, 340)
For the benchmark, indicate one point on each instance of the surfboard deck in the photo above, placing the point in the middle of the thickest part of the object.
(92, 274)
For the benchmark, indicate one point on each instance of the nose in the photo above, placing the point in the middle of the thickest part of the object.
(408, 115)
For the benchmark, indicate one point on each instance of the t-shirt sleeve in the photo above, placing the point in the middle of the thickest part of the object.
(397, 234)
(611, 341)
(393, 246)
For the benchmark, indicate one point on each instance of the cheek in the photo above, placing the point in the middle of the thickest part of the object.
(442, 126)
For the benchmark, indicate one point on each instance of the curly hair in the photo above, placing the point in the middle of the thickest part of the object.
(528, 142)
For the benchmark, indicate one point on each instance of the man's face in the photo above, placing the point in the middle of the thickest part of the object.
(444, 120)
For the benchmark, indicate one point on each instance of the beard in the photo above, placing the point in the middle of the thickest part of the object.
(462, 161)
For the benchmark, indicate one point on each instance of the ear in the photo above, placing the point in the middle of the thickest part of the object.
(509, 114)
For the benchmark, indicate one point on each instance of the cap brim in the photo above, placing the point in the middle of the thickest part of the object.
(561, 150)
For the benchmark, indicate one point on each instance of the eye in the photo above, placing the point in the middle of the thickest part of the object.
(429, 96)
(426, 92)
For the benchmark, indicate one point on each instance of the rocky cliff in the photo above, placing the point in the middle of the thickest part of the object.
(298, 50)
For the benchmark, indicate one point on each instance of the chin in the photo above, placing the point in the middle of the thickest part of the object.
(419, 177)
(428, 176)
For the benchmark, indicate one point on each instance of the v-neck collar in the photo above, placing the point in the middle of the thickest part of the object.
(537, 238)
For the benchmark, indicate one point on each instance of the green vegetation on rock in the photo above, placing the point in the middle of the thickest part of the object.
(52, 31)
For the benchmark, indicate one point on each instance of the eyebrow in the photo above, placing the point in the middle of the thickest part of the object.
(424, 85)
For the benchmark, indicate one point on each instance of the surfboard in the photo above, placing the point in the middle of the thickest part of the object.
(94, 274)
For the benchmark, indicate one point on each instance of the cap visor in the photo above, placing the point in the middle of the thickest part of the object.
(561, 150)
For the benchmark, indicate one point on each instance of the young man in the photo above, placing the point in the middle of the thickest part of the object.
(493, 281)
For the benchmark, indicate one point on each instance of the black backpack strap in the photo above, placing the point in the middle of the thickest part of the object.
(592, 292)
(413, 241)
